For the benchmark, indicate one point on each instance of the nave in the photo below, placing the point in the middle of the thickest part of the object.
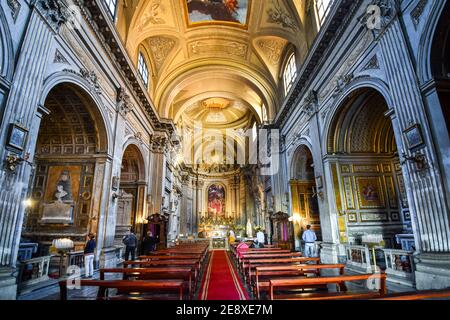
(190, 271)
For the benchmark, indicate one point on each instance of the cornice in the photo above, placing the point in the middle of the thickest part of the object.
(337, 23)
(103, 27)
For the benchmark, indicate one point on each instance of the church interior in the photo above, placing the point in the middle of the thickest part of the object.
(224, 149)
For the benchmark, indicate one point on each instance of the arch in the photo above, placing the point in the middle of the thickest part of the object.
(134, 144)
(367, 175)
(98, 111)
(6, 48)
(427, 39)
(360, 125)
(179, 78)
(302, 156)
(375, 84)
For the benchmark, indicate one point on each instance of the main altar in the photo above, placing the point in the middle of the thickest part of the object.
(216, 228)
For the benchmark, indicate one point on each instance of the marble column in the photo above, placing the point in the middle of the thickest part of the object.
(21, 107)
(425, 189)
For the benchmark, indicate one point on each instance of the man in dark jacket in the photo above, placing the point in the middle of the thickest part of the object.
(148, 243)
(89, 256)
(130, 242)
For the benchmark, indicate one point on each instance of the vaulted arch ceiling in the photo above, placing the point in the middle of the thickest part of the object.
(239, 43)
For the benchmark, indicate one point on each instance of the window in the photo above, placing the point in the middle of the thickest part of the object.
(111, 6)
(143, 69)
(290, 73)
(323, 7)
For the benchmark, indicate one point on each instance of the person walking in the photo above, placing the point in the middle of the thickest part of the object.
(130, 242)
(310, 238)
(89, 249)
(148, 243)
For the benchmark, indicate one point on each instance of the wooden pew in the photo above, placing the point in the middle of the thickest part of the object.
(253, 263)
(127, 287)
(166, 263)
(419, 295)
(257, 254)
(263, 275)
(154, 274)
(302, 283)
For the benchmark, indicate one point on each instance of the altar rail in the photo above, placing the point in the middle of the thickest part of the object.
(358, 258)
(400, 266)
(33, 271)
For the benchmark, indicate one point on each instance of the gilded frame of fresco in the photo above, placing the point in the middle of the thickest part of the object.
(212, 22)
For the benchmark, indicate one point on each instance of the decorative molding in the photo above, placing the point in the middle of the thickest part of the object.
(161, 48)
(311, 102)
(153, 15)
(417, 12)
(273, 49)
(341, 83)
(231, 48)
(124, 104)
(372, 64)
(54, 12)
(59, 58)
(92, 79)
(387, 12)
(158, 144)
(278, 15)
(15, 6)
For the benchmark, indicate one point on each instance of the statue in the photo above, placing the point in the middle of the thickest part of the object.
(60, 193)
(64, 187)
(249, 229)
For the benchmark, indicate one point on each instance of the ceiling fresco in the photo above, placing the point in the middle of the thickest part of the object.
(217, 11)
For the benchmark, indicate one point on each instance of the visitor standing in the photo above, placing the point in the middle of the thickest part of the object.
(130, 242)
(310, 238)
(89, 256)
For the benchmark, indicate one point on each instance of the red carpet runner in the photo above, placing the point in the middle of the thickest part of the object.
(221, 281)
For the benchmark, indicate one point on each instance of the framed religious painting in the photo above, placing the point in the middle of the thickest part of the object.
(370, 193)
(414, 137)
(17, 137)
(225, 12)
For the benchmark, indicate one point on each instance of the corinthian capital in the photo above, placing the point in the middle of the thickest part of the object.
(54, 12)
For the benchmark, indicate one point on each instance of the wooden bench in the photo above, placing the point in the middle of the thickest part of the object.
(253, 263)
(302, 283)
(419, 295)
(247, 257)
(126, 287)
(154, 274)
(263, 275)
(194, 264)
(256, 254)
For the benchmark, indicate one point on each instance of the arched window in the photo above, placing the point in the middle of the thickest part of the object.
(290, 73)
(143, 69)
(111, 5)
(323, 7)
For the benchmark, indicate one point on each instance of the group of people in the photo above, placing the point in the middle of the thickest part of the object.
(129, 240)
(309, 237)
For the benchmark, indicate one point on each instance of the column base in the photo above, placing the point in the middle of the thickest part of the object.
(8, 284)
(108, 258)
(432, 271)
(329, 253)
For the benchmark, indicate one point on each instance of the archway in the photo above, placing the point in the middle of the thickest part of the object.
(305, 205)
(130, 205)
(438, 92)
(440, 62)
(368, 183)
(70, 139)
